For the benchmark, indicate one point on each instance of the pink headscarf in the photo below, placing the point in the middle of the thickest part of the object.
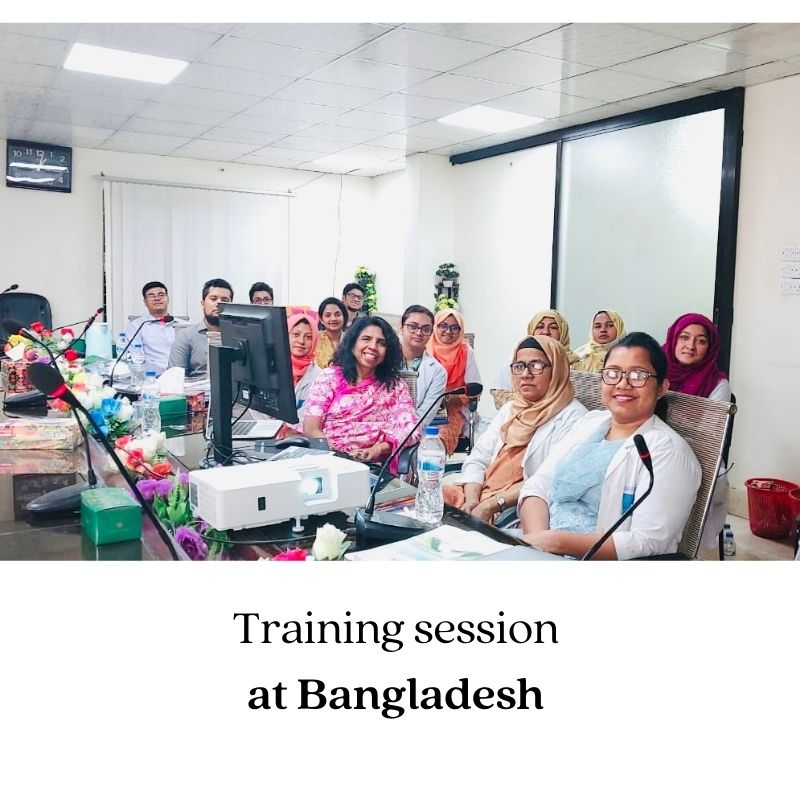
(300, 365)
(698, 379)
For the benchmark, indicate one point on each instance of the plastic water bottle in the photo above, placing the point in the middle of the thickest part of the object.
(728, 542)
(122, 343)
(151, 415)
(431, 458)
(137, 364)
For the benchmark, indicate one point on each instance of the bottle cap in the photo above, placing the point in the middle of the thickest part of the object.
(431, 430)
(150, 374)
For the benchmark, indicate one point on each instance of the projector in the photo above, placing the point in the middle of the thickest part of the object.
(249, 495)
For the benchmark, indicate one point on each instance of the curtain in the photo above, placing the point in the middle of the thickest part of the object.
(183, 237)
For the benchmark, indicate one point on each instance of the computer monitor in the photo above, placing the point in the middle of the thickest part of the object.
(252, 362)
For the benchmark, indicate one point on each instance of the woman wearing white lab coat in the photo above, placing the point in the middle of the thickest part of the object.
(594, 474)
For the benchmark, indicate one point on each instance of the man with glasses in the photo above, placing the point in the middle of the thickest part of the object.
(261, 294)
(353, 298)
(155, 335)
(416, 327)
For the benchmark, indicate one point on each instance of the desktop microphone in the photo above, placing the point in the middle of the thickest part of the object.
(49, 381)
(12, 288)
(165, 320)
(644, 455)
(89, 323)
(386, 524)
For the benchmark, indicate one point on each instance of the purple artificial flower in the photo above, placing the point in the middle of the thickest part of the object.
(183, 477)
(163, 487)
(148, 488)
(192, 544)
(43, 360)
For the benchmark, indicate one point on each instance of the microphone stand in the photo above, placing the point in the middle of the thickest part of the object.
(163, 320)
(89, 323)
(388, 525)
(644, 454)
(40, 376)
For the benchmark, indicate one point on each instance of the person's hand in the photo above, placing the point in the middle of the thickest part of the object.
(485, 510)
(540, 539)
(472, 497)
(374, 453)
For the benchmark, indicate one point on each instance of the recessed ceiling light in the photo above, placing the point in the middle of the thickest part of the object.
(491, 120)
(122, 64)
(344, 162)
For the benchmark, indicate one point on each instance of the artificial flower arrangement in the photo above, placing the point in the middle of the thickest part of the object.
(329, 545)
(145, 456)
(58, 341)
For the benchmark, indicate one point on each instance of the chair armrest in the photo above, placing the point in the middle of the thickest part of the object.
(406, 460)
(506, 518)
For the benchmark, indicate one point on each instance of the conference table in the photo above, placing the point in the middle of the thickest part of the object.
(27, 474)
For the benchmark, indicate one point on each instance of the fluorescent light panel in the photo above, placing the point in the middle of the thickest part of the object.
(122, 64)
(491, 120)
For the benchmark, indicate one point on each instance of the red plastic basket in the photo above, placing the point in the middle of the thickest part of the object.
(770, 506)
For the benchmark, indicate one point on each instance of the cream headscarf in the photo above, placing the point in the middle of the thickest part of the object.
(527, 417)
(593, 354)
(563, 329)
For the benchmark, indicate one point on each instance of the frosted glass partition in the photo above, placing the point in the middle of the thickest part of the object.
(638, 223)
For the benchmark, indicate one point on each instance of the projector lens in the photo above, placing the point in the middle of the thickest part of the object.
(311, 487)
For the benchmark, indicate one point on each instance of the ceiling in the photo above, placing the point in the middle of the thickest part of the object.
(283, 95)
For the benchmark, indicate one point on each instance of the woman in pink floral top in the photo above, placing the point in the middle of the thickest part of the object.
(361, 404)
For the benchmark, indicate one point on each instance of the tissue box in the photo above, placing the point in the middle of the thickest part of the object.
(110, 515)
(172, 406)
(47, 433)
(14, 377)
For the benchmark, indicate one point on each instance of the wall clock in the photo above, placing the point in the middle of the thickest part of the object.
(30, 165)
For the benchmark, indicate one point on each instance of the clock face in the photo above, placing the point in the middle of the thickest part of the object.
(30, 165)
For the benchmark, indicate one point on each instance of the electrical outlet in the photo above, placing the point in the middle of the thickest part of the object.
(789, 286)
(790, 269)
(790, 253)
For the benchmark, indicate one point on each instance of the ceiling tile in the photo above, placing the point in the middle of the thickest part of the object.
(165, 127)
(410, 144)
(86, 117)
(19, 101)
(296, 156)
(461, 88)
(249, 122)
(144, 143)
(328, 94)
(44, 30)
(217, 151)
(337, 133)
(57, 98)
(750, 77)
(176, 113)
(309, 145)
(328, 37)
(500, 34)
(17, 129)
(162, 39)
(225, 79)
(287, 109)
(545, 104)
(665, 96)
(211, 27)
(608, 85)
(369, 74)
(261, 57)
(599, 45)
(72, 81)
(369, 120)
(74, 135)
(522, 69)
(444, 133)
(259, 138)
(267, 160)
(205, 98)
(411, 105)
(27, 74)
(413, 48)
(766, 41)
(32, 50)
(372, 151)
(691, 62)
(688, 31)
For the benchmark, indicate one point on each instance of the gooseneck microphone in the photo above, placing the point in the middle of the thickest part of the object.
(49, 381)
(165, 320)
(388, 524)
(89, 323)
(644, 455)
(12, 288)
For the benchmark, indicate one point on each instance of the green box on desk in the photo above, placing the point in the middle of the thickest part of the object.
(110, 515)
(172, 406)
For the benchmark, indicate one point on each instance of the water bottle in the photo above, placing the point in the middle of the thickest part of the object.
(728, 542)
(431, 458)
(137, 364)
(151, 413)
(122, 343)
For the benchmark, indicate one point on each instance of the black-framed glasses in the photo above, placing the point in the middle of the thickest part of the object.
(636, 377)
(262, 301)
(426, 330)
(156, 295)
(355, 296)
(533, 367)
(445, 328)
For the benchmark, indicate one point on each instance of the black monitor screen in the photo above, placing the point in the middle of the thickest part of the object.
(264, 377)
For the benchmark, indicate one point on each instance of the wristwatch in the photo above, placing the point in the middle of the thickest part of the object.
(501, 501)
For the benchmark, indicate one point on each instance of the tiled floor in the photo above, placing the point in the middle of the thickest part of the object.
(753, 548)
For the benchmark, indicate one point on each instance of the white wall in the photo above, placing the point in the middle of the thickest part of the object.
(390, 220)
(765, 368)
(52, 243)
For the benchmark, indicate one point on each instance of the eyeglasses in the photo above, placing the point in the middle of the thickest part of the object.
(262, 301)
(444, 328)
(426, 330)
(355, 296)
(156, 295)
(534, 367)
(636, 377)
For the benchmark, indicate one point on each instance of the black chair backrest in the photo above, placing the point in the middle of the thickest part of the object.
(727, 446)
(26, 308)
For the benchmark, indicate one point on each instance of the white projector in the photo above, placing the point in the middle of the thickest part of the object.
(246, 496)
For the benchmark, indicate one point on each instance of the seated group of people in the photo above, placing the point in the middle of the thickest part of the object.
(571, 473)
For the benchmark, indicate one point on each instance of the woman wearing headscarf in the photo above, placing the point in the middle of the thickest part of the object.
(606, 330)
(448, 347)
(303, 338)
(544, 323)
(542, 410)
(692, 349)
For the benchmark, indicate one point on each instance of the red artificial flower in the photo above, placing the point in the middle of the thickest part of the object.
(65, 331)
(31, 354)
(37, 327)
(163, 469)
(123, 441)
(71, 355)
(47, 334)
(298, 554)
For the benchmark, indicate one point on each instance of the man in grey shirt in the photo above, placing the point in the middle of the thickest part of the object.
(190, 349)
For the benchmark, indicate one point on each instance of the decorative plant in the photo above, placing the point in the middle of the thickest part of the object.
(443, 301)
(367, 280)
(447, 272)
